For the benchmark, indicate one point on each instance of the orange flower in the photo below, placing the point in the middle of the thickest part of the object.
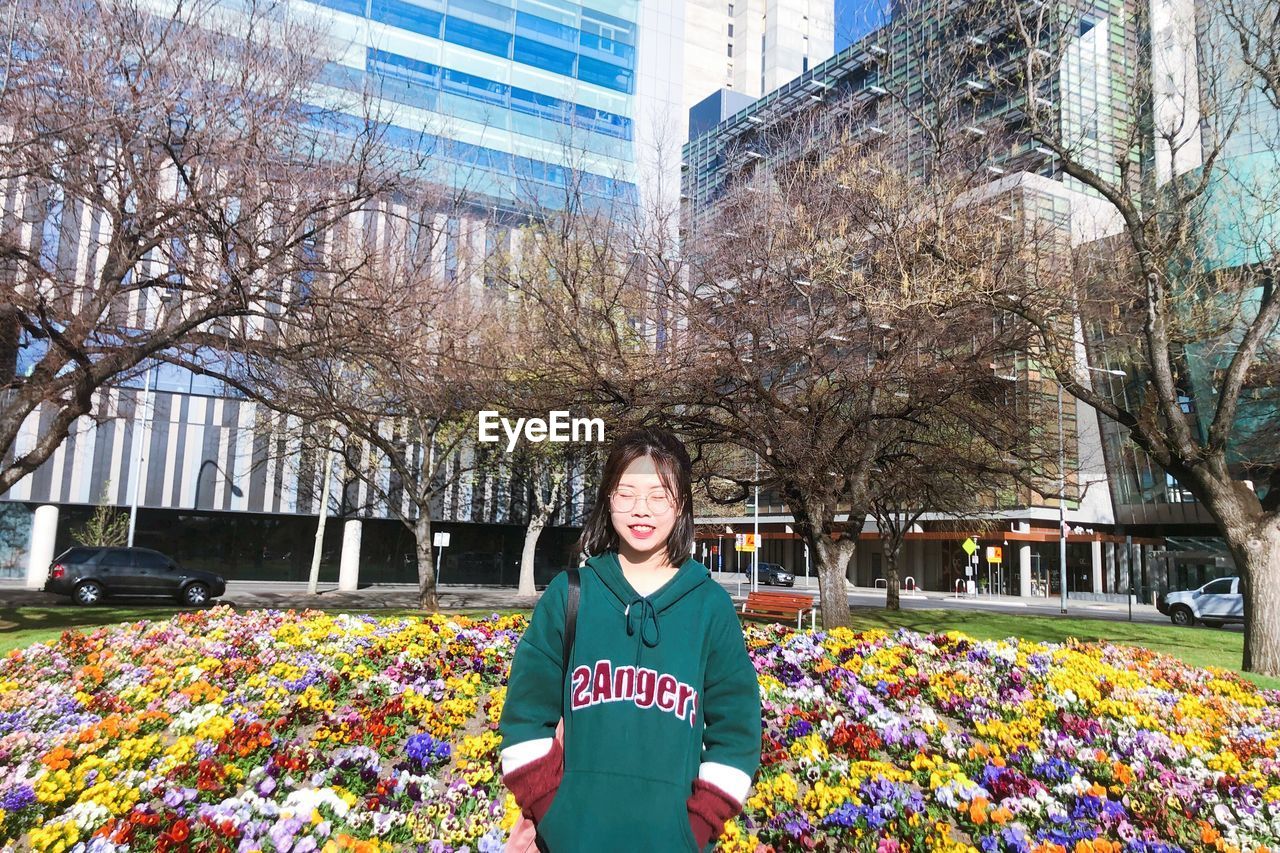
(978, 810)
(58, 758)
(1001, 816)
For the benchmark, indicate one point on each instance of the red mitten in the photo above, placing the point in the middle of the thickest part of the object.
(709, 810)
(535, 784)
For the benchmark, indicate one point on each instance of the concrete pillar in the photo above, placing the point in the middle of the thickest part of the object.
(349, 567)
(1122, 566)
(1024, 560)
(1095, 560)
(1142, 575)
(1024, 569)
(916, 549)
(44, 534)
(1109, 558)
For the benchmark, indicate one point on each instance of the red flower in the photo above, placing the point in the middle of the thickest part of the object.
(180, 831)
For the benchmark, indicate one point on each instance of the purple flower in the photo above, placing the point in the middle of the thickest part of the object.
(425, 750)
(17, 798)
(799, 729)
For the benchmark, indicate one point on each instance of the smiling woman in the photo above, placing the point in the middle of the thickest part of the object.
(690, 706)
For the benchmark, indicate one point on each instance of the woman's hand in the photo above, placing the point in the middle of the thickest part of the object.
(534, 785)
(709, 810)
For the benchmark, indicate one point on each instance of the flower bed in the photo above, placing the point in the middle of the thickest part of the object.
(220, 730)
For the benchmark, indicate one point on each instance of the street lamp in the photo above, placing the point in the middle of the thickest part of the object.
(755, 551)
(235, 490)
(1062, 491)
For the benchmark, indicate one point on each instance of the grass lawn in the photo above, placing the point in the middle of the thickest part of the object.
(21, 626)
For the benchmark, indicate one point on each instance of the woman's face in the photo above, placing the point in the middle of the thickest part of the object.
(642, 510)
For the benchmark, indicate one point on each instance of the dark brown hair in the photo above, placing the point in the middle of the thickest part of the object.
(674, 469)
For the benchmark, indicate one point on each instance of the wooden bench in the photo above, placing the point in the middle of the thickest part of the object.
(777, 606)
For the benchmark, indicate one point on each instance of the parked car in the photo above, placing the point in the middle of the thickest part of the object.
(89, 575)
(1216, 602)
(773, 575)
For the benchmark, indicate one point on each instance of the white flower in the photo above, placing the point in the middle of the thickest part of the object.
(306, 800)
(88, 815)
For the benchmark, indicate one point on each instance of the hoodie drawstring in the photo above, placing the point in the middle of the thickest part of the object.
(648, 614)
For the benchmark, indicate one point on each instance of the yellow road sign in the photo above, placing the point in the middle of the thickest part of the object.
(970, 545)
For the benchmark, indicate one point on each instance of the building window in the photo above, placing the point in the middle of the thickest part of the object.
(730, 30)
(730, 10)
(730, 46)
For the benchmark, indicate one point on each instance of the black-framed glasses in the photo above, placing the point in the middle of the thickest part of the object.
(658, 502)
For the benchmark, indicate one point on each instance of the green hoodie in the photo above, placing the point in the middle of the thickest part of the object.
(661, 692)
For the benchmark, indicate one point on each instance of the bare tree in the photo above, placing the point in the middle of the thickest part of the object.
(833, 307)
(580, 328)
(947, 468)
(396, 356)
(1183, 294)
(162, 180)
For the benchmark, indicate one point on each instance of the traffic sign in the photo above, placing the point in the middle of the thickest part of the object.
(970, 545)
(746, 542)
(995, 554)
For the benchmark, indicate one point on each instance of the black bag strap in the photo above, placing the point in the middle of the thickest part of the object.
(570, 617)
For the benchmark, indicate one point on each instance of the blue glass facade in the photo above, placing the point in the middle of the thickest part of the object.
(501, 87)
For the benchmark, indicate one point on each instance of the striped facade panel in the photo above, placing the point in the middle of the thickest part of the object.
(194, 443)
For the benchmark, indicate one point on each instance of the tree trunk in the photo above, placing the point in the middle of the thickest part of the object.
(1256, 549)
(892, 551)
(832, 556)
(428, 599)
(538, 519)
(1253, 537)
(526, 588)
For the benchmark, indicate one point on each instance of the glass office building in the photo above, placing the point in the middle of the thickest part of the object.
(502, 92)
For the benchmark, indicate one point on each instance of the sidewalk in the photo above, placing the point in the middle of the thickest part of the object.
(868, 596)
(285, 595)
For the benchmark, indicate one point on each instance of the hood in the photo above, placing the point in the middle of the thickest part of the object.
(640, 613)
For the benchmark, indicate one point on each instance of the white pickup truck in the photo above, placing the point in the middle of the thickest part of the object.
(1216, 602)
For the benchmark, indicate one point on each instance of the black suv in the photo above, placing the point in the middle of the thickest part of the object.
(89, 575)
(773, 575)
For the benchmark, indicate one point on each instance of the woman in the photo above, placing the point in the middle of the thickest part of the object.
(661, 704)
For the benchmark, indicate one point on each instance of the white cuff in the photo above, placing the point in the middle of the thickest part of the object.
(731, 780)
(518, 755)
